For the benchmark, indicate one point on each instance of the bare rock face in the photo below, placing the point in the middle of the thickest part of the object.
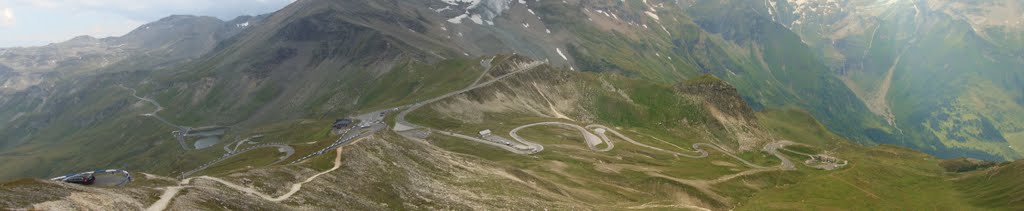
(965, 164)
(726, 105)
(719, 94)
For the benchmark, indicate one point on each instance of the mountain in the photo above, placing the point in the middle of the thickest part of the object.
(164, 42)
(943, 74)
(49, 92)
(159, 45)
(489, 104)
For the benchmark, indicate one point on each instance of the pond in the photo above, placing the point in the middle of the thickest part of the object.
(207, 141)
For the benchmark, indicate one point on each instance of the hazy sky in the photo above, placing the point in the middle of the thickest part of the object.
(40, 22)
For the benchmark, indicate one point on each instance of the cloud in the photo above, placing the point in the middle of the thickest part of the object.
(147, 9)
(47, 21)
(7, 17)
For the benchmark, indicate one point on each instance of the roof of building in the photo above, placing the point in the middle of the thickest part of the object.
(343, 122)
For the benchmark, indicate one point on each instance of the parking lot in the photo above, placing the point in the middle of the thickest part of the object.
(105, 178)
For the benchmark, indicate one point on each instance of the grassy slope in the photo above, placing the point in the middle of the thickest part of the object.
(878, 178)
(412, 82)
(997, 188)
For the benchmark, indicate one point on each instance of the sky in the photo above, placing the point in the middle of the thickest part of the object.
(39, 22)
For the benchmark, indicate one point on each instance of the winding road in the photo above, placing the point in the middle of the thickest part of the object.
(601, 129)
(593, 135)
(591, 140)
(526, 147)
(178, 134)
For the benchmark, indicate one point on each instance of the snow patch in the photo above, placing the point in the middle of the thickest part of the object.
(443, 9)
(476, 19)
(655, 16)
(479, 11)
(457, 2)
(458, 19)
(559, 50)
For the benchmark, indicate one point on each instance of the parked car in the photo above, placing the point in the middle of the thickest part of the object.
(84, 179)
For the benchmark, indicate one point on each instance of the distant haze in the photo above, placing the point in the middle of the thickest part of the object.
(40, 22)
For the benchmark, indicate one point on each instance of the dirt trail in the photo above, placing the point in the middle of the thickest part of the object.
(295, 187)
(869, 193)
(668, 206)
(550, 105)
(171, 192)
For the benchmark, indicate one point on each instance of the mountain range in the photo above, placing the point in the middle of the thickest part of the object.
(708, 104)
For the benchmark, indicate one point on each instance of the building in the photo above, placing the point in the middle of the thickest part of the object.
(485, 133)
(342, 123)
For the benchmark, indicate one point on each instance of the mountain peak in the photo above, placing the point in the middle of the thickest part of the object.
(183, 17)
(83, 38)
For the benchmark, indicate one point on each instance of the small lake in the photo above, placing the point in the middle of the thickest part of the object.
(205, 142)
